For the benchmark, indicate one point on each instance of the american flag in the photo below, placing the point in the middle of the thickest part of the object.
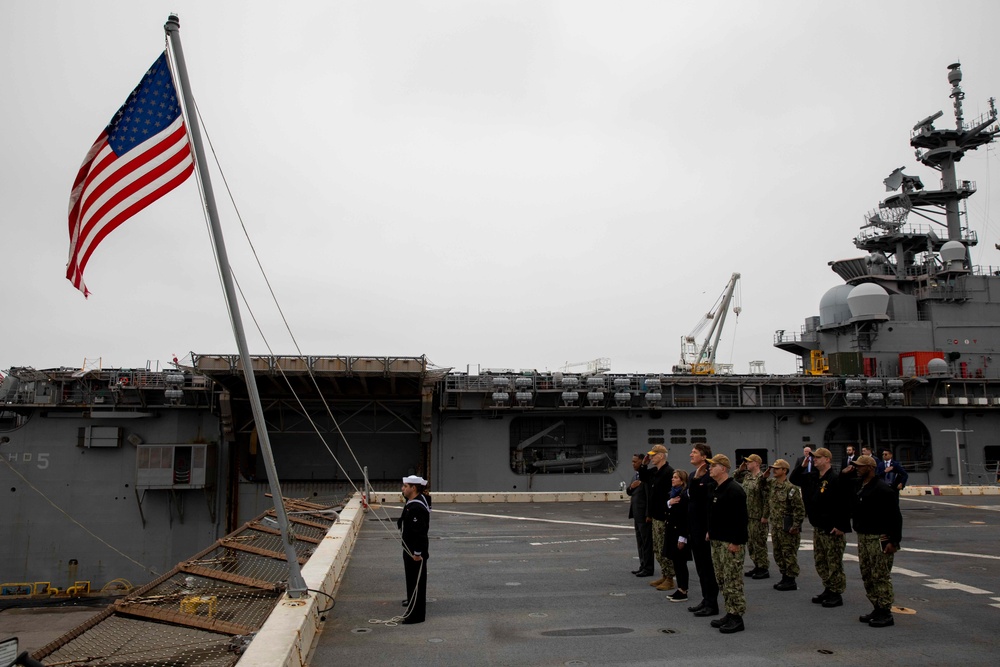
(140, 156)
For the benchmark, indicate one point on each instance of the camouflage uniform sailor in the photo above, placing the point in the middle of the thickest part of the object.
(657, 480)
(752, 480)
(828, 497)
(879, 525)
(727, 533)
(785, 512)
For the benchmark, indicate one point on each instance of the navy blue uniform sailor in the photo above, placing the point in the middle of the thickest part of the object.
(413, 524)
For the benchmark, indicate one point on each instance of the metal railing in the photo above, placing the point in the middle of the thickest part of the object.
(969, 236)
(70, 386)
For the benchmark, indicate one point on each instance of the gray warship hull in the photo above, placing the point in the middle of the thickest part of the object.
(107, 483)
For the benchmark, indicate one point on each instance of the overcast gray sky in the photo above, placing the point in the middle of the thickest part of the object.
(502, 184)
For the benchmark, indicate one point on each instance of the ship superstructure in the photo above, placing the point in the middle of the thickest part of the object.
(916, 295)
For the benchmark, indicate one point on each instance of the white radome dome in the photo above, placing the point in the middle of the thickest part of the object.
(868, 300)
(953, 251)
(937, 367)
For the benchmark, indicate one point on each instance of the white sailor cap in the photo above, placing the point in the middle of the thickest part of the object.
(413, 479)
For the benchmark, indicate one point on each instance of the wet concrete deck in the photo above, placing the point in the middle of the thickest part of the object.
(549, 584)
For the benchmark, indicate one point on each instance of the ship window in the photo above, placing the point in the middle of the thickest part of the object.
(677, 440)
(699, 431)
(806, 438)
(697, 439)
(678, 431)
(655, 431)
(656, 441)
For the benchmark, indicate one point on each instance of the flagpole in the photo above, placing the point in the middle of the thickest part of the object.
(296, 585)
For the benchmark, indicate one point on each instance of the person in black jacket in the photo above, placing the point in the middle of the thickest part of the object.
(658, 490)
(699, 493)
(414, 524)
(879, 525)
(828, 501)
(637, 511)
(727, 532)
(675, 541)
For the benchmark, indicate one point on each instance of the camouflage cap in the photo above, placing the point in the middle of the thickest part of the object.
(781, 463)
(862, 461)
(753, 457)
(721, 459)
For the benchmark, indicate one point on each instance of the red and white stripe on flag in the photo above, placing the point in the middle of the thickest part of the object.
(140, 156)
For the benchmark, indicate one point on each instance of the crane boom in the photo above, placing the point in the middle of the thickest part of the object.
(701, 361)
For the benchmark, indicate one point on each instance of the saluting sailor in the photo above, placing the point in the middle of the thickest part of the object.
(413, 523)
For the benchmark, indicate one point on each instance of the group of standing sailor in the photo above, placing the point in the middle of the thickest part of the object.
(714, 519)
(705, 520)
(865, 493)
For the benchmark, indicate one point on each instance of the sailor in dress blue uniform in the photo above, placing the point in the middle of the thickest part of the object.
(413, 524)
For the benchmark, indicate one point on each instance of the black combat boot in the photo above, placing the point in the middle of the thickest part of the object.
(752, 571)
(881, 618)
(821, 598)
(833, 600)
(786, 584)
(734, 624)
(707, 611)
(868, 617)
(722, 620)
(762, 573)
